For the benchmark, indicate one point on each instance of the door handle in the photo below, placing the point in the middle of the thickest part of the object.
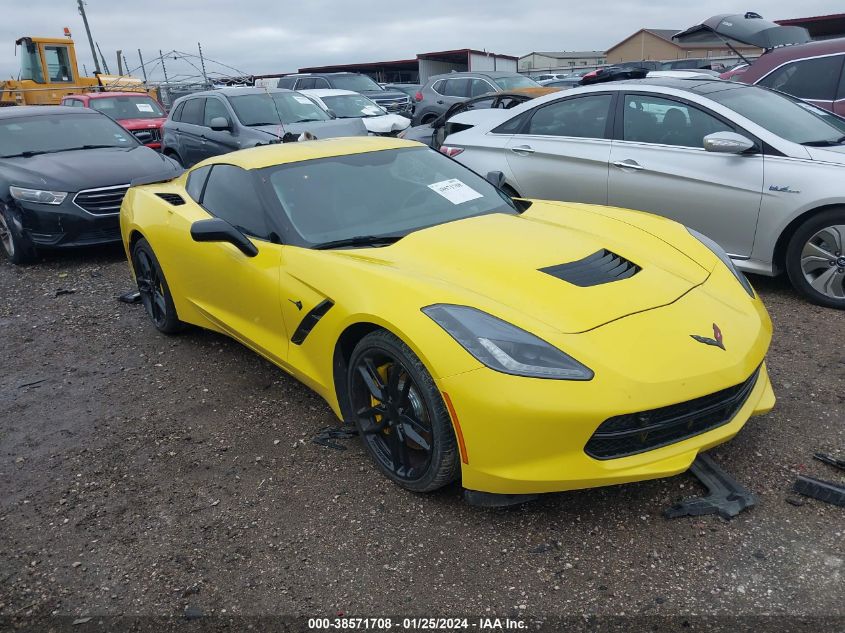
(628, 164)
(440, 102)
(522, 150)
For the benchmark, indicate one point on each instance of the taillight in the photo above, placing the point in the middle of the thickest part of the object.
(451, 152)
(418, 96)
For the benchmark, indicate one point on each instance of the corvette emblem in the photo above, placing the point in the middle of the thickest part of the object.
(716, 341)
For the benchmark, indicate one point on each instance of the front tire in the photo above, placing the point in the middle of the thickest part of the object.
(15, 243)
(155, 293)
(400, 414)
(815, 258)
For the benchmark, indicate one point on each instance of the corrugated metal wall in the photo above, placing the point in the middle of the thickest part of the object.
(479, 62)
(430, 67)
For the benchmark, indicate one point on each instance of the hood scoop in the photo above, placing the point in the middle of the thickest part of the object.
(601, 267)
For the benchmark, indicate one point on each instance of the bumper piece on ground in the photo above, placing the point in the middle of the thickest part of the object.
(826, 491)
(726, 496)
(493, 500)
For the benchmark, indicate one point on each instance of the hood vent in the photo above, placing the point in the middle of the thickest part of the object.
(599, 268)
(172, 198)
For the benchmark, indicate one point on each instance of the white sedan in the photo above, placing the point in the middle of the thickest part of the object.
(345, 104)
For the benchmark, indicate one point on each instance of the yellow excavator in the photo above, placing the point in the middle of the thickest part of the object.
(48, 72)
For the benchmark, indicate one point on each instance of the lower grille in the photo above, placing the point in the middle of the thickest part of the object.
(150, 135)
(639, 432)
(103, 201)
(392, 105)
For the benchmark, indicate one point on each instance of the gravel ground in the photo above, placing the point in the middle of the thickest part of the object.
(147, 475)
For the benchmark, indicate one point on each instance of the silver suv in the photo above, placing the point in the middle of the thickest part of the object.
(442, 91)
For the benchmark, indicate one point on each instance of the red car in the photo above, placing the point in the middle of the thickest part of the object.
(137, 112)
(814, 72)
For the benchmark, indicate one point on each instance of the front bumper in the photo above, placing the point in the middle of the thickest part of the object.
(529, 435)
(67, 226)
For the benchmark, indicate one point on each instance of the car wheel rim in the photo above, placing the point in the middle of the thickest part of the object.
(823, 261)
(151, 289)
(6, 236)
(393, 419)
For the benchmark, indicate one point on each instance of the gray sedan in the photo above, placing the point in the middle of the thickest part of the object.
(759, 172)
(213, 122)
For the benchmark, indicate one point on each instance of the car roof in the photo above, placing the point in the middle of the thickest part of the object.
(284, 153)
(234, 92)
(342, 72)
(328, 92)
(798, 51)
(480, 73)
(101, 95)
(22, 111)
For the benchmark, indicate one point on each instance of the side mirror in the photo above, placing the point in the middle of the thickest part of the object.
(217, 230)
(496, 178)
(727, 143)
(220, 123)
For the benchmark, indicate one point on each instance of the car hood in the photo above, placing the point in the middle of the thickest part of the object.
(85, 169)
(386, 123)
(141, 124)
(320, 129)
(827, 154)
(499, 259)
(383, 94)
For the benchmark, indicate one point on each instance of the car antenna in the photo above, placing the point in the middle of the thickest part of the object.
(278, 114)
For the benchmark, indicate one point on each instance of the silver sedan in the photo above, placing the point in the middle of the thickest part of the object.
(759, 172)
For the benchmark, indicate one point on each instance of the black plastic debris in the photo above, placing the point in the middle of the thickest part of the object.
(133, 296)
(726, 496)
(494, 500)
(65, 291)
(830, 461)
(826, 491)
(326, 435)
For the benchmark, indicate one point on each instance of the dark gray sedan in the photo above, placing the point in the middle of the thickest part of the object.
(214, 122)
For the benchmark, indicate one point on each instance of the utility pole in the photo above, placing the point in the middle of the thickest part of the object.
(103, 58)
(119, 63)
(202, 63)
(163, 69)
(88, 31)
(125, 65)
(143, 68)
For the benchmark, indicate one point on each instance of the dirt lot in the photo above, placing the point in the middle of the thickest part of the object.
(143, 475)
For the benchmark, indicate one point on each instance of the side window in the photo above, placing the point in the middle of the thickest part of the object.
(177, 113)
(230, 194)
(306, 83)
(651, 119)
(584, 117)
(478, 87)
(321, 82)
(196, 181)
(514, 125)
(58, 64)
(439, 86)
(286, 82)
(193, 111)
(841, 92)
(481, 104)
(456, 88)
(213, 109)
(808, 78)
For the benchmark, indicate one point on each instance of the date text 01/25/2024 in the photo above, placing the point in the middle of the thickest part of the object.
(416, 624)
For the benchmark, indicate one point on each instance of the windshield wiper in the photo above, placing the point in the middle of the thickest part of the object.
(825, 142)
(27, 154)
(359, 240)
(259, 124)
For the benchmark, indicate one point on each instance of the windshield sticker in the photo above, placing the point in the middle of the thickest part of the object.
(304, 100)
(455, 191)
(144, 107)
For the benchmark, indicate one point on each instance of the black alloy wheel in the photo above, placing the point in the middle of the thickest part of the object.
(400, 414)
(155, 294)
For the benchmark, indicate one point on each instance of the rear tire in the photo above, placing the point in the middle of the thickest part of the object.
(15, 243)
(815, 258)
(400, 414)
(155, 293)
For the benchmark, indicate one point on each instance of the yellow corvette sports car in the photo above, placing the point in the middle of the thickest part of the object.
(519, 345)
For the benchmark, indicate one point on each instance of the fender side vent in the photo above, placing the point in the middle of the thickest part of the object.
(310, 320)
(601, 267)
(172, 198)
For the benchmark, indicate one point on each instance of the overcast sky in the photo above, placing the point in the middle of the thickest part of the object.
(265, 36)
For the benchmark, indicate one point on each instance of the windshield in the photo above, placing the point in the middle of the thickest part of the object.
(117, 108)
(356, 83)
(389, 192)
(352, 106)
(783, 115)
(272, 108)
(516, 81)
(46, 134)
